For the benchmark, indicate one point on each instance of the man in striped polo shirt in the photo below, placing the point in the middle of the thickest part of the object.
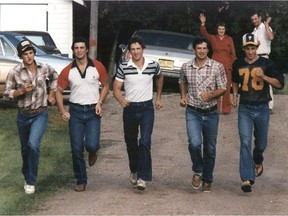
(137, 76)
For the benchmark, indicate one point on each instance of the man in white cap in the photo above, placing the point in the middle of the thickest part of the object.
(253, 75)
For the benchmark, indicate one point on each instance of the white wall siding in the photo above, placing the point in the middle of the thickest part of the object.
(59, 23)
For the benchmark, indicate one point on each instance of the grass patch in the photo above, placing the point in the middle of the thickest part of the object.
(55, 168)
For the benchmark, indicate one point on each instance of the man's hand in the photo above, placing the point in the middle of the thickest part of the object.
(27, 87)
(98, 109)
(260, 73)
(158, 105)
(206, 96)
(267, 21)
(124, 102)
(65, 116)
(234, 100)
(183, 102)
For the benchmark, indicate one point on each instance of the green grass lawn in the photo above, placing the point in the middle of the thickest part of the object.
(55, 168)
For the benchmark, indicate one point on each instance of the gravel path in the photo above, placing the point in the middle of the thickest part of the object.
(170, 193)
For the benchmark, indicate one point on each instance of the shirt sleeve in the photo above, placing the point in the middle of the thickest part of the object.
(204, 33)
(63, 81)
(53, 77)
(221, 79)
(103, 74)
(10, 85)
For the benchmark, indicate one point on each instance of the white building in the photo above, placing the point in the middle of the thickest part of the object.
(53, 16)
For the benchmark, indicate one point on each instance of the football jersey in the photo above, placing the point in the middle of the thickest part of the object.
(253, 89)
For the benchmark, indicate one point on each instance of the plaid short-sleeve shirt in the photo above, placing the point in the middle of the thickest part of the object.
(208, 78)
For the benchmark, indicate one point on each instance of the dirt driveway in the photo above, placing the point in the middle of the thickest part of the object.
(170, 193)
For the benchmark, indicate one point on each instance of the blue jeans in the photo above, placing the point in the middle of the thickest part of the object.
(31, 129)
(134, 116)
(249, 117)
(202, 128)
(84, 130)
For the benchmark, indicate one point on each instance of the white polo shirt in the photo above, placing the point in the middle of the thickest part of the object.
(84, 87)
(261, 35)
(138, 84)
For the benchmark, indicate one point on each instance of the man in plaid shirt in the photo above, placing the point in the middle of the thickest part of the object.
(202, 81)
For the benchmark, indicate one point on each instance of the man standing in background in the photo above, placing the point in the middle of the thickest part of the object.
(264, 34)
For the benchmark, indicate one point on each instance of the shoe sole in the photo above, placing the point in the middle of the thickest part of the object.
(196, 188)
(140, 188)
(29, 192)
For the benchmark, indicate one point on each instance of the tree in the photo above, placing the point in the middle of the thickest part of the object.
(93, 29)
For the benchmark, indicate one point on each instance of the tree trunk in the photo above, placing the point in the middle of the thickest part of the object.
(112, 65)
(93, 29)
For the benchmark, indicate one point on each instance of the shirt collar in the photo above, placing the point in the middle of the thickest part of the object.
(38, 64)
(130, 63)
(207, 63)
(261, 26)
(90, 63)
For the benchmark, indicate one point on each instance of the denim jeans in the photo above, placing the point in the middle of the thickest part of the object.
(134, 116)
(31, 129)
(204, 125)
(249, 117)
(84, 130)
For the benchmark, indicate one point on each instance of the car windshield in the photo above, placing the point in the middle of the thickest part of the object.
(39, 51)
(166, 40)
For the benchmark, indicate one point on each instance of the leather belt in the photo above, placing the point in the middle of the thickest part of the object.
(32, 111)
(84, 106)
(208, 110)
(263, 54)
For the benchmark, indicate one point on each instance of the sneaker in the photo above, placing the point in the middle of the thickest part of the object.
(29, 189)
(196, 181)
(141, 185)
(133, 178)
(206, 186)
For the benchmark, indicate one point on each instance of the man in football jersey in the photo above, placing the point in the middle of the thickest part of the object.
(83, 76)
(253, 75)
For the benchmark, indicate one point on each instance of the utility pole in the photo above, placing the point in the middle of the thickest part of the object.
(93, 29)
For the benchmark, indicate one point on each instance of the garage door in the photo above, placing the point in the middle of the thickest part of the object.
(23, 17)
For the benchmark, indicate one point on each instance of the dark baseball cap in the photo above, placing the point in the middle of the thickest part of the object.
(23, 46)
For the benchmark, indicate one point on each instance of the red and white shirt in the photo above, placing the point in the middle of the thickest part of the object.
(84, 87)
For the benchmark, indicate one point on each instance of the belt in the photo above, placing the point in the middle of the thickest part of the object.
(140, 103)
(263, 54)
(32, 111)
(84, 106)
(210, 109)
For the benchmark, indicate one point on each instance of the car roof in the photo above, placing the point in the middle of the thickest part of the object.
(163, 32)
(31, 32)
